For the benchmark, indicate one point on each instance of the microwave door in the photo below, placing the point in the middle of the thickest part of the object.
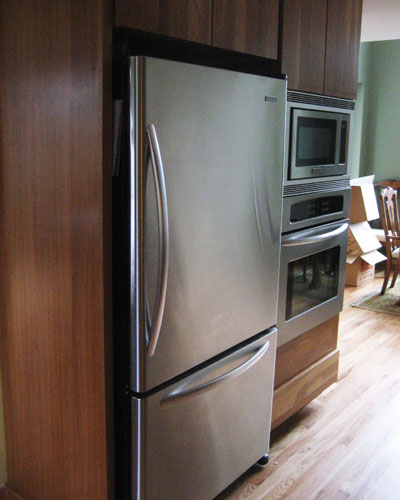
(314, 144)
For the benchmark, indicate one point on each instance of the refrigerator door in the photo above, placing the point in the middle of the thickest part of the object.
(206, 184)
(191, 440)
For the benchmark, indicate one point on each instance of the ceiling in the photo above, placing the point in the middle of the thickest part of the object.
(380, 20)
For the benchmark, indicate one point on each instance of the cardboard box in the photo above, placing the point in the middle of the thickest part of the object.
(363, 205)
(362, 254)
(359, 272)
(361, 239)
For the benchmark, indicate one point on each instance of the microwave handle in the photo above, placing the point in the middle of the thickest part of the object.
(343, 142)
(293, 240)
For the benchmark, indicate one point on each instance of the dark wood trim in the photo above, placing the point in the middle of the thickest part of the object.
(280, 32)
(106, 89)
(133, 42)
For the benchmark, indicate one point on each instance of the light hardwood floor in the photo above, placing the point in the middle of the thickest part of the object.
(346, 443)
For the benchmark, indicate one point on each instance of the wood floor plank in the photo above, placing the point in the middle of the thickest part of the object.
(346, 443)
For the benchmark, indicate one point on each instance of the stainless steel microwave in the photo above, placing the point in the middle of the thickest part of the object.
(318, 136)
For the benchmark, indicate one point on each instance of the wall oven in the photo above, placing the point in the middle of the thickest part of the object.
(312, 274)
(313, 254)
(318, 136)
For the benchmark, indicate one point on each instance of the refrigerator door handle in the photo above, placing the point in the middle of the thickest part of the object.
(179, 394)
(163, 240)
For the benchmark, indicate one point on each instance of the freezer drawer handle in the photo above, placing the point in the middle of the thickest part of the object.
(178, 395)
(163, 239)
(293, 241)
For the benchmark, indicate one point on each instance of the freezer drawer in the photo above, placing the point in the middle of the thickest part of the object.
(192, 439)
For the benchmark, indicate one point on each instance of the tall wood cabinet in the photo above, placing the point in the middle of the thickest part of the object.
(55, 255)
(320, 46)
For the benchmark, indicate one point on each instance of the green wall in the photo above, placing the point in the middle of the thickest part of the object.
(356, 140)
(379, 76)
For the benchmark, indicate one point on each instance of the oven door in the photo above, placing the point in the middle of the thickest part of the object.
(315, 144)
(312, 275)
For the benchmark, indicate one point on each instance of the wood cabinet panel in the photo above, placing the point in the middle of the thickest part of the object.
(303, 44)
(187, 20)
(302, 351)
(342, 47)
(249, 26)
(8, 494)
(304, 387)
(55, 191)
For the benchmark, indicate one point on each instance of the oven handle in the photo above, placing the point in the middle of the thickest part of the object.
(294, 240)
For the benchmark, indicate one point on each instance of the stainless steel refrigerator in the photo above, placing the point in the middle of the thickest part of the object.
(197, 214)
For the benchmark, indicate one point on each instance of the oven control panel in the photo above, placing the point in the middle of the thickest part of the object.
(308, 209)
(311, 209)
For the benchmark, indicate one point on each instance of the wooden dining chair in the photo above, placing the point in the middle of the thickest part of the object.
(391, 226)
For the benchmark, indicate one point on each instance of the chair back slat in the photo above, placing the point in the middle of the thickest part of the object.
(390, 215)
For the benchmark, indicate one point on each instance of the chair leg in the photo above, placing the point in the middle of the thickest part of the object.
(395, 273)
(387, 274)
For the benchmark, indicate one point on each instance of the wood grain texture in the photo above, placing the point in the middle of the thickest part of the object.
(187, 20)
(302, 351)
(55, 255)
(303, 44)
(9, 494)
(304, 387)
(342, 48)
(249, 26)
(344, 444)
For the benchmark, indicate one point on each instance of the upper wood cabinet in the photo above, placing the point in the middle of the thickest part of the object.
(249, 26)
(184, 19)
(320, 45)
(303, 47)
(342, 47)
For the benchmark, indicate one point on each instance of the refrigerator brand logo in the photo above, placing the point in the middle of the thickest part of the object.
(268, 98)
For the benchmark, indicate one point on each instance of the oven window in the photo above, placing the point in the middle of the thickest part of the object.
(316, 141)
(312, 280)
